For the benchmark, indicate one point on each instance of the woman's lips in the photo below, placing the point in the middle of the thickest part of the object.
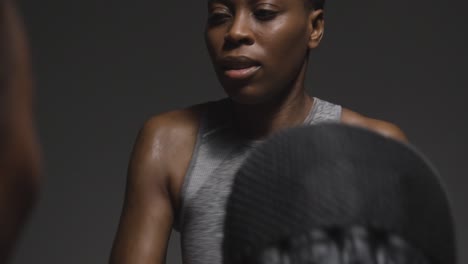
(239, 67)
(243, 73)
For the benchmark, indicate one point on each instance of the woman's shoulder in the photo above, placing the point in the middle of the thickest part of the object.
(176, 122)
(168, 139)
(379, 126)
(188, 119)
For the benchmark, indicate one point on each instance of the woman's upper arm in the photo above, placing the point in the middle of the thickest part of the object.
(147, 214)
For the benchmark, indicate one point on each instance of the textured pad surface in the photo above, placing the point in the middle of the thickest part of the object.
(334, 175)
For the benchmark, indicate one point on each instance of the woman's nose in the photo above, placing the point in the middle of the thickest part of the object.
(239, 32)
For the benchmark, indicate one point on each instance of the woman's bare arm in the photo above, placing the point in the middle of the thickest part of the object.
(147, 215)
(19, 152)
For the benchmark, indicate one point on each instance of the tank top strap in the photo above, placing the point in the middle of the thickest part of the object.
(323, 111)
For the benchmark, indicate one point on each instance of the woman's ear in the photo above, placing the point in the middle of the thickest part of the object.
(316, 28)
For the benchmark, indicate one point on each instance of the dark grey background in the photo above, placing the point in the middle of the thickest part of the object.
(103, 67)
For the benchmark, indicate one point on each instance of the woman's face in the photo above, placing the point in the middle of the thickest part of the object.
(258, 47)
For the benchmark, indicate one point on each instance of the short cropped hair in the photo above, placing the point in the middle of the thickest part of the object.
(315, 4)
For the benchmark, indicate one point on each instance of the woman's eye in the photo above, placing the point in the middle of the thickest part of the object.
(265, 14)
(218, 18)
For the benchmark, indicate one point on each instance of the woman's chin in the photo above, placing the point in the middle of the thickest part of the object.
(245, 97)
(252, 95)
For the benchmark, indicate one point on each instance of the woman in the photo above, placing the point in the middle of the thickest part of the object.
(259, 50)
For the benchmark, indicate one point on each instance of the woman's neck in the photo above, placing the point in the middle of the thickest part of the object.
(261, 120)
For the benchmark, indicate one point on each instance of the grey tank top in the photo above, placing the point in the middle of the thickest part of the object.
(218, 153)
